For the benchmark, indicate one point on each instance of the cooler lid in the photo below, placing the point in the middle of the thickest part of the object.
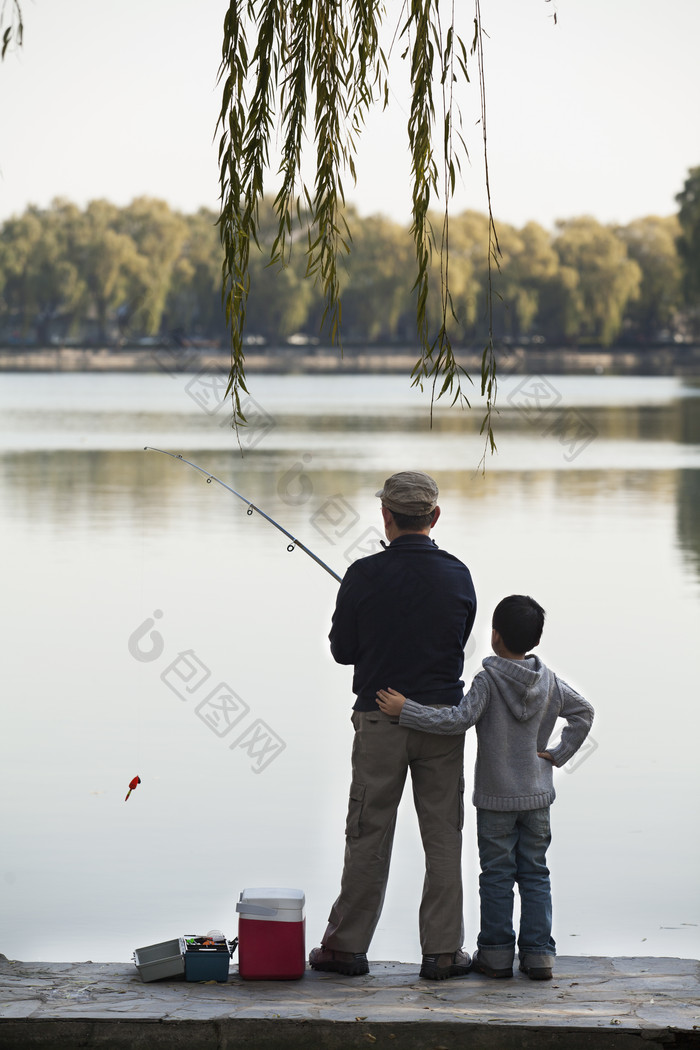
(276, 898)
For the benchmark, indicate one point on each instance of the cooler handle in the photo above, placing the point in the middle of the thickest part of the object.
(255, 909)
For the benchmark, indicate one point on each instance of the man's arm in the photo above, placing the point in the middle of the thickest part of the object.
(471, 615)
(579, 717)
(343, 635)
(445, 720)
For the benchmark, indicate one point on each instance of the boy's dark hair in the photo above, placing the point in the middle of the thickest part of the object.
(519, 621)
(410, 521)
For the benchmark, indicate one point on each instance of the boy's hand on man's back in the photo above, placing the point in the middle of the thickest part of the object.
(546, 755)
(390, 701)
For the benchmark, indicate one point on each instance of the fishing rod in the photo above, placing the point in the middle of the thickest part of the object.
(251, 507)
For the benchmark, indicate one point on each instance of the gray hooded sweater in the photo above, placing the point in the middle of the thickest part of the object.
(514, 705)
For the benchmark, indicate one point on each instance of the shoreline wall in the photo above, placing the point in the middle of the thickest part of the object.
(683, 360)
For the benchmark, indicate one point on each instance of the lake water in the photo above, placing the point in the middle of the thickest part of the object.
(152, 627)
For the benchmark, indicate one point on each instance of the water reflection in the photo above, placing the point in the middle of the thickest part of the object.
(688, 515)
(143, 493)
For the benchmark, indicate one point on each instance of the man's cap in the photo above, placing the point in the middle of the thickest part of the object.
(409, 492)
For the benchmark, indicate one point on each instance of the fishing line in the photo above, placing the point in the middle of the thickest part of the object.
(138, 717)
(251, 507)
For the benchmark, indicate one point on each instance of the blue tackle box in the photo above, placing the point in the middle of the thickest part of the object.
(206, 959)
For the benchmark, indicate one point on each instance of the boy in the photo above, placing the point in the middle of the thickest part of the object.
(514, 703)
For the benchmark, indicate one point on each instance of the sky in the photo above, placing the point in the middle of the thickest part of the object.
(598, 114)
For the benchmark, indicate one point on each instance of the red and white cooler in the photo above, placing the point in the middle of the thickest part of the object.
(271, 934)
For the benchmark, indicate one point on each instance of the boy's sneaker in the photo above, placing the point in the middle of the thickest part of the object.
(440, 967)
(490, 971)
(350, 964)
(536, 973)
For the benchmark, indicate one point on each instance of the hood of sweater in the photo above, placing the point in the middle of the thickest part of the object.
(523, 685)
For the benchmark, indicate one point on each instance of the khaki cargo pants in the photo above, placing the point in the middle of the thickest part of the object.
(383, 752)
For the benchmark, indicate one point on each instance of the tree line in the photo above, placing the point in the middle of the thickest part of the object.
(109, 275)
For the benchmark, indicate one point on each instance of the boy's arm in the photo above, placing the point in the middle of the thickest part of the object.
(579, 716)
(448, 720)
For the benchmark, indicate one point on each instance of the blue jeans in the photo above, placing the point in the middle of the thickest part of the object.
(512, 848)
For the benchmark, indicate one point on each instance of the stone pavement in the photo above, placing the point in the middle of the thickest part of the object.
(591, 1003)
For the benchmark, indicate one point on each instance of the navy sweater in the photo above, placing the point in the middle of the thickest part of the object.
(403, 617)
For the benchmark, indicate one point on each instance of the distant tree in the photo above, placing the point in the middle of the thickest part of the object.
(689, 240)
(468, 264)
(527, 261)
(559, 307)
(279, 298)
(606, 279)
(194, 297)
(113, 272)
(158, 234)
(651, 243)
(39, 276)
(527, 266)
(375, 279)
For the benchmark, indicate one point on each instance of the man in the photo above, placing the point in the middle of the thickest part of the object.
(402, 618)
